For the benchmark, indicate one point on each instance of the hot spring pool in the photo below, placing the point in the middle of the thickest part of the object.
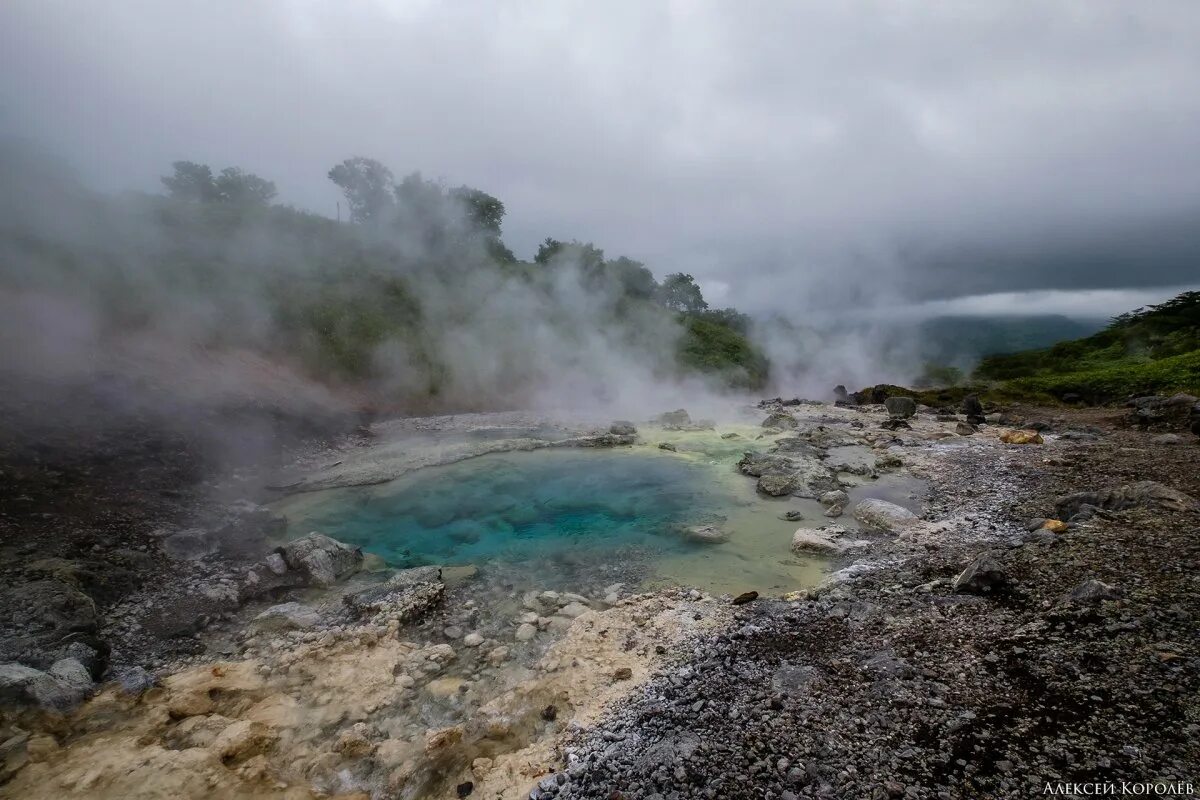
(566, 518)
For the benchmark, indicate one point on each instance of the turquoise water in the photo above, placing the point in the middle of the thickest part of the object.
(519, 507)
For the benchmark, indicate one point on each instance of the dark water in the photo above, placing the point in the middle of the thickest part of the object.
(574, 505)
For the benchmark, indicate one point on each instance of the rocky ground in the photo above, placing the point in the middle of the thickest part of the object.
(1061, 658)
(984, 650)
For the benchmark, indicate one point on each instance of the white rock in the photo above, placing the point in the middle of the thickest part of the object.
(526, 632)
(472, 640)
(883, 515)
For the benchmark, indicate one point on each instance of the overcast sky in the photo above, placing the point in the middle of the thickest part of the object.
(788, 154)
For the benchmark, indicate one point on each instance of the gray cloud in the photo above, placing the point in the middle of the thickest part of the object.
(790, 155)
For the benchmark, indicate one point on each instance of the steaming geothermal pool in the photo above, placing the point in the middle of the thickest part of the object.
(570, 518)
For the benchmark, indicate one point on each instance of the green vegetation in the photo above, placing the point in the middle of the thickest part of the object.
(1153, 350)
(414, 297)
(710, 345)
(1150, 350)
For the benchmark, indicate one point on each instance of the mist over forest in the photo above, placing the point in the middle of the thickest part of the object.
(412, 301)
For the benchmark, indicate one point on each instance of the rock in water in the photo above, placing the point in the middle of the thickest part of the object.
(837, 497)
(900, 407)
(816, 540)
(321, 560)
(706, 534)
(883, 515)
(983, 576)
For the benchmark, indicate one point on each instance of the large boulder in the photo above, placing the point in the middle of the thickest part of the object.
(780, 474)
(320, 560)
(882, 515)
(827, 541)
(64, 685)
(405, 596)
(900, 407)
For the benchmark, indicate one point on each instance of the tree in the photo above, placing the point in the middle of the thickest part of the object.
(243, 188)
(482, 211)
(633, 278)
(367, 185)
(191, 181)
(547, 250)
(679, 292)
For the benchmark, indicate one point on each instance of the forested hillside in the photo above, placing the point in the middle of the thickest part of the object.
(1151, 350)
(413, 298)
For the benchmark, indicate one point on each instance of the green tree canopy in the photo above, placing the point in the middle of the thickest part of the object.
(679, 292)
(191, 181)
(367, 185)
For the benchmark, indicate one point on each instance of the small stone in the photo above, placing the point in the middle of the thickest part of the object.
(472, 640)
(464, 789)
(550, 713)
(525, 632)
(622, 674)
(745, 597)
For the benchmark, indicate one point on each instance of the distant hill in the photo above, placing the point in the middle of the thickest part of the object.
(1151, 350)
(963, 340)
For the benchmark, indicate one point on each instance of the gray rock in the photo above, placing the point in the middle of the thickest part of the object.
(780, 474)
(780, 420)
(1093, 591)
(900, 407)
(287, 617)
(321, 560)
(706, 534)
(983, 576)
(65, 686)
(622, 428)
(883, 515)
(133, 680)
(965, 429)
(824, 541)
(406, 596)
(791, 516)
(1167, 439)
(1149, 494)
(668, 447)
(837, 497)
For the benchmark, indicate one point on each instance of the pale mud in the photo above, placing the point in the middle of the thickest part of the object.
(312, 719)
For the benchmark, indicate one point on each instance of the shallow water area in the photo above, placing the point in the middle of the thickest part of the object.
(571, 518)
